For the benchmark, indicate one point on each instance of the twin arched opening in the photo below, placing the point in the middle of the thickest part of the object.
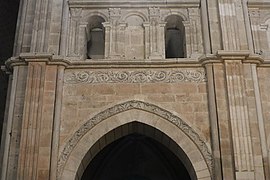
(133, 42)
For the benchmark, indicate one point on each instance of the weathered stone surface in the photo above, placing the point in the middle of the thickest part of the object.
(194, 75)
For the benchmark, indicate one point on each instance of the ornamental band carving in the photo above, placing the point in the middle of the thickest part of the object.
(125, 107)
(144, 76)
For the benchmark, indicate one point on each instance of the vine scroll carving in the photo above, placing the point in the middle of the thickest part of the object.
(143, 76)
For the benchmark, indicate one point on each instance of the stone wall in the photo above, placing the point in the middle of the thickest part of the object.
(180, 91)
(213, 103)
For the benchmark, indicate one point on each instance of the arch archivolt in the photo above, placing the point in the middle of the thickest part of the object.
(180, 14)
(134, 13)
(88, 16)
(73, 154)
(265, 19)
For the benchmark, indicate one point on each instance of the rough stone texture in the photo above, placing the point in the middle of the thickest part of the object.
(63, 107)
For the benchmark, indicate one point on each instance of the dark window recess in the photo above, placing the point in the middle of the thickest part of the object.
(175, 38)
(96, 38)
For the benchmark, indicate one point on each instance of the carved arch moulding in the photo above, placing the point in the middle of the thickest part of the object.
(131, 105)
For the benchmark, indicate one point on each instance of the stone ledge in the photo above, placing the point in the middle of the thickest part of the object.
(222, 55)
(133, 4)
(256, 4)
(73, 63)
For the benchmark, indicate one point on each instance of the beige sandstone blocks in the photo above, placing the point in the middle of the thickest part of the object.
(83, 100)
(209, 105)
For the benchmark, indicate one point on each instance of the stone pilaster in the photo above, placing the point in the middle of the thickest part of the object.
(58, 16)
(210, 8)
(188, 38)
(112, 34)
(24, 30)
(237, 126)
(255, 26)
(41, 26)
(194, 26)
(107, 27)
(57, 121)
(214, 126)
(224, 124)
(31, 136)
(73, 40)
(244, 114)
(31, 125)
(234, 35)
(239, 117)
(121, 41)
(82, 46)
(11, 139)
(156, 34)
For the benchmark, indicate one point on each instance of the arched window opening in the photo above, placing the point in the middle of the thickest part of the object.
(175, 38)
(96, 38)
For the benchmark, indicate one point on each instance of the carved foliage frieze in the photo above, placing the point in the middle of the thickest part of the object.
(143, 76)
(134, 104)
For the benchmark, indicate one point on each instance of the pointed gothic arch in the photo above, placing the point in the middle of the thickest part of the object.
(73, 155)
(135, 150)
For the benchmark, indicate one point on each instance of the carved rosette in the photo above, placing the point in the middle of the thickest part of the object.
(119, 108)
(154, 12)
(144, 76)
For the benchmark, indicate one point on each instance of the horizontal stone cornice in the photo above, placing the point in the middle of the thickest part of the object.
(259, 4)
(133, 3)
(221, 56)
(73, 63)
(232, 55)
(25, 58)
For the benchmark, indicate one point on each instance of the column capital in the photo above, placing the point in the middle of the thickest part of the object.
(222, 56)
(24, 58)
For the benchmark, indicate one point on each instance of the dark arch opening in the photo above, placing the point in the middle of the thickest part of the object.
(136, 157)
(175, 46)
(96, 38)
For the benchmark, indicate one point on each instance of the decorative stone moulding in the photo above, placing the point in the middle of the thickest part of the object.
(190, 75)
(143, 76)
(244, 56)
(129, 105)
(133, 3)
(257, 4)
